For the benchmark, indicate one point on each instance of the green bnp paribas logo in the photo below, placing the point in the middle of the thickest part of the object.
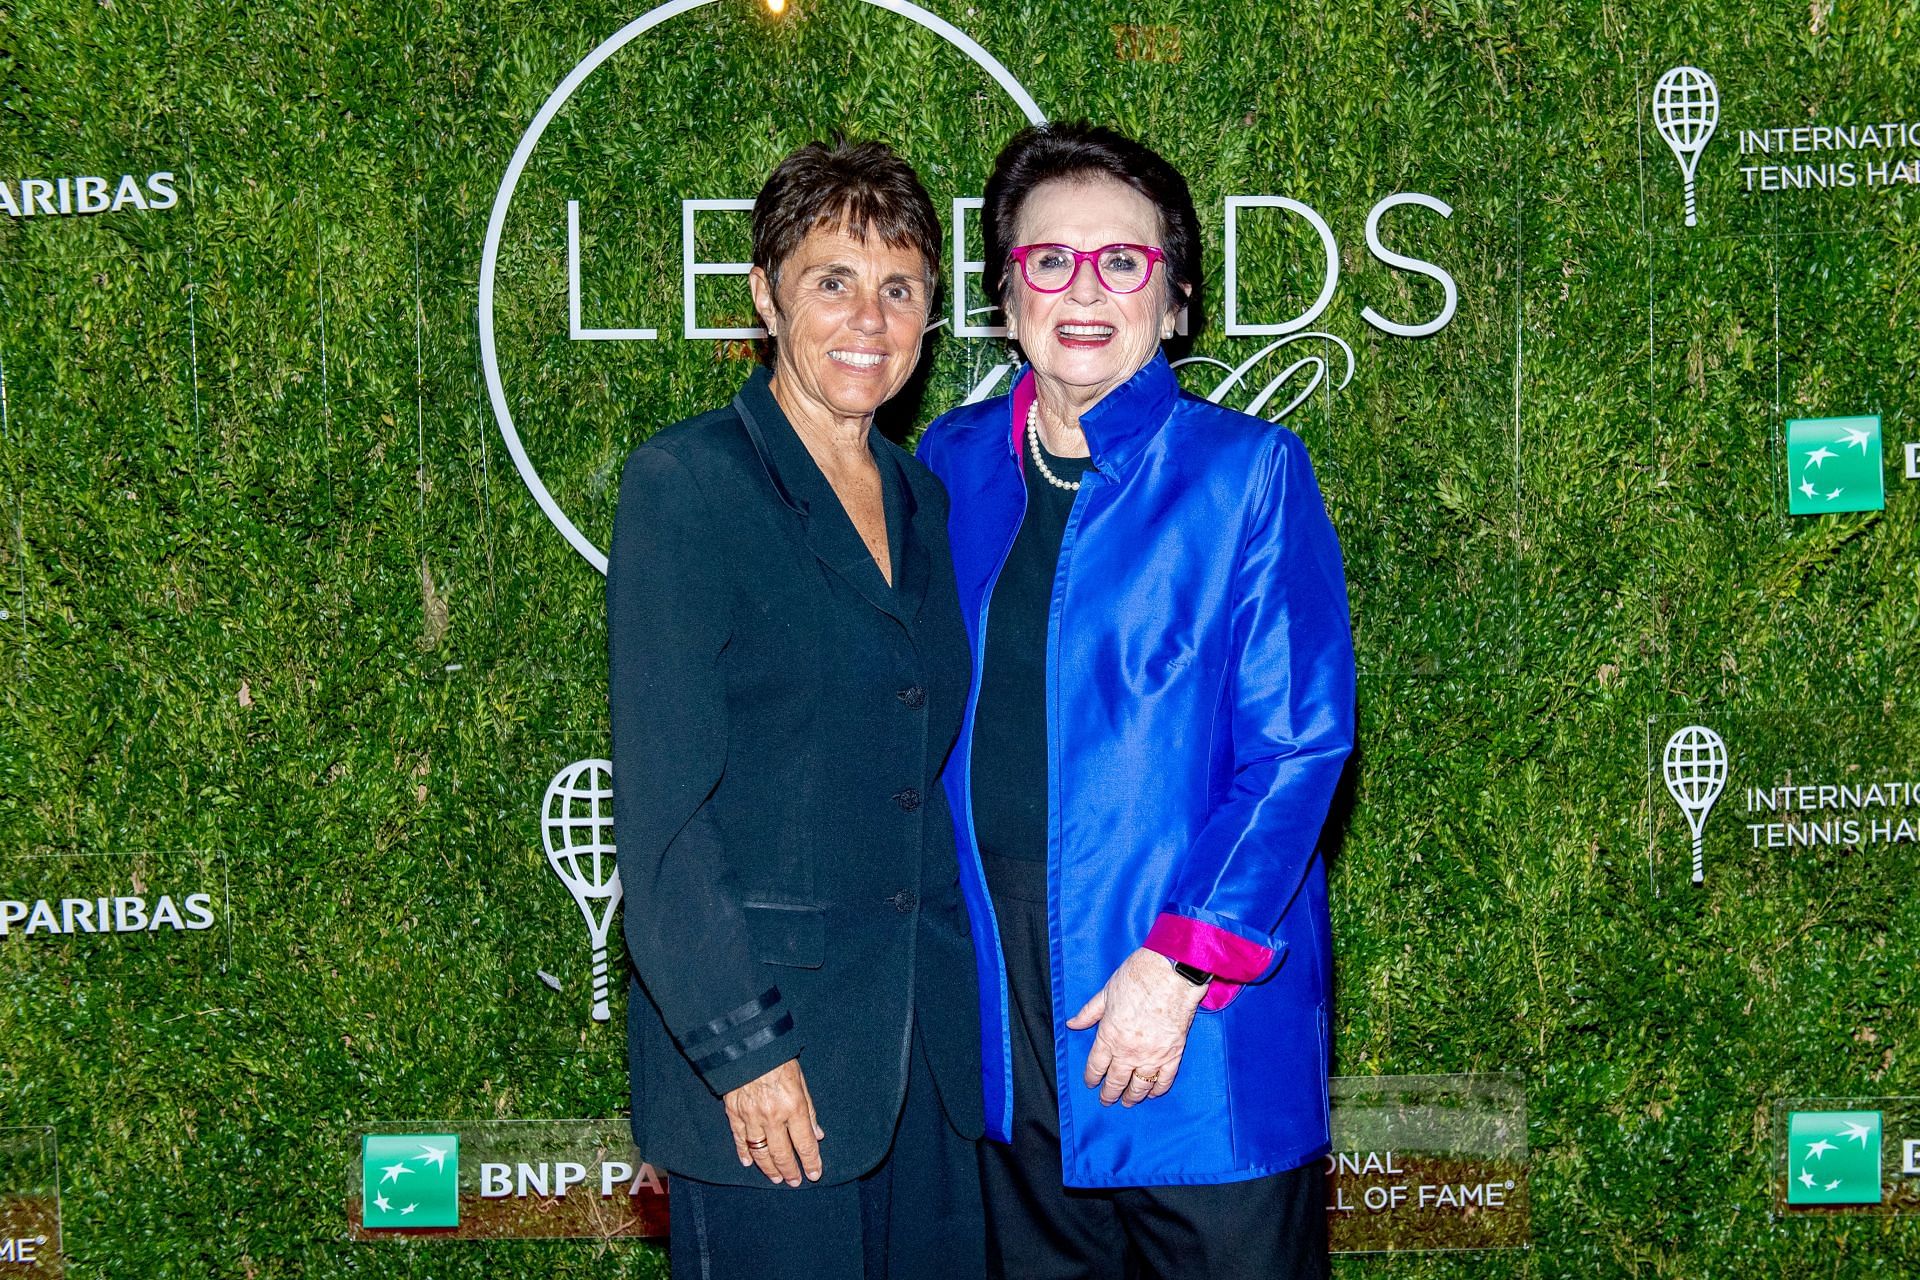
(1833, 1157)
(410, 1180)
(1833, 464)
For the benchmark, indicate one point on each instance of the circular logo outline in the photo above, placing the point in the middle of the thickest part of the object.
(496, 222)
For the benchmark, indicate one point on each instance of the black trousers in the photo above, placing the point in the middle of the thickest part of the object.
(917, 1215)
(1271, 1228)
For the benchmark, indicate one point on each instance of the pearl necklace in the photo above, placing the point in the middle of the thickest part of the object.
(1039, 460)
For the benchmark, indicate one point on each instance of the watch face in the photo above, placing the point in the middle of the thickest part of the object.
(1198, 977)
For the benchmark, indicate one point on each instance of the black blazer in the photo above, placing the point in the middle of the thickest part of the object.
(780, 720)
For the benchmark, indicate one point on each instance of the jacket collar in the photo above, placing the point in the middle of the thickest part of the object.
(1121, 425)
(830, 534)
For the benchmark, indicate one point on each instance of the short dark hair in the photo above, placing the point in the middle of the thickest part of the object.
(1078, 151)
(864, 188)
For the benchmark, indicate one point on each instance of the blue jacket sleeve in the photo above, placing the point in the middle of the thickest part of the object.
(1290, 710)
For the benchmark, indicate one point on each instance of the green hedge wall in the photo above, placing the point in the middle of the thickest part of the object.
(277, 597)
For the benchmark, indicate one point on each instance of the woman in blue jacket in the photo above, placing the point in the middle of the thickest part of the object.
(1162, 703)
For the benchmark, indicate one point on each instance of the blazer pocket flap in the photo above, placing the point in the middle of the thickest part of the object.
(791, 935)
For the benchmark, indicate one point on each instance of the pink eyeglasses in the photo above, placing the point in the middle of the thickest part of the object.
(1120, 268)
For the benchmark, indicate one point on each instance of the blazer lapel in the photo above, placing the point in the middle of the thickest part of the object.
(798, 480)
(839, 546)
(909, 535)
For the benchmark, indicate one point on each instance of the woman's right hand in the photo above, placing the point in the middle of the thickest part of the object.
(774, 1126)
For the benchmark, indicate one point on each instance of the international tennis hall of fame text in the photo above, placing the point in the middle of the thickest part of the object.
(1422, 1163)
(1766, 798)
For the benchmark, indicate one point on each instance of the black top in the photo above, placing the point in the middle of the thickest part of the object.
(781, 717)
(1010, 721)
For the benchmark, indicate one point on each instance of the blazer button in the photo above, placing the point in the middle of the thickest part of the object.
(914, 696)
(905, 900)
(908, 799)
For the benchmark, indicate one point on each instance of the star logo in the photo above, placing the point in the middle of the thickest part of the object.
(427, 1165)
(1845, 454)
(1839, 1157)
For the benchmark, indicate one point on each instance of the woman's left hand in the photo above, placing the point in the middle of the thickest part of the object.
(1143, 1013)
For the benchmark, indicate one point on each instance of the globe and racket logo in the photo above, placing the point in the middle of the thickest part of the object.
(1686, 111)
(1695, 765)
(576, 826)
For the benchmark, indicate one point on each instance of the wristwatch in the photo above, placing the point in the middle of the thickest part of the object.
(1198, 977)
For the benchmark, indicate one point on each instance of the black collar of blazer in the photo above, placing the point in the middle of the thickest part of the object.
(830, 534)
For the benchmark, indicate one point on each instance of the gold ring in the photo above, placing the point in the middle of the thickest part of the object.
(758, 1146)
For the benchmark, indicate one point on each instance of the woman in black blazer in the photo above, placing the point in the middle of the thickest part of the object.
(788, 673)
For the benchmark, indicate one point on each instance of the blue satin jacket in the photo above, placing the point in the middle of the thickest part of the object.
(1200, 706)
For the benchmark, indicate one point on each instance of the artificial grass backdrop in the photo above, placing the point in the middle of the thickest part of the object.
(277, 600)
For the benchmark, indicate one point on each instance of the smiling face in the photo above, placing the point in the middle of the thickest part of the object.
(848, 316)
(1086, 340)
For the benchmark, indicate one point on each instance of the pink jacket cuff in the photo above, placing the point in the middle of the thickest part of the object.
(1230, 958)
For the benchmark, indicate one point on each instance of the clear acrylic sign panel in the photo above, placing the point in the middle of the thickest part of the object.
(1428, 1163)
(30, 1242)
